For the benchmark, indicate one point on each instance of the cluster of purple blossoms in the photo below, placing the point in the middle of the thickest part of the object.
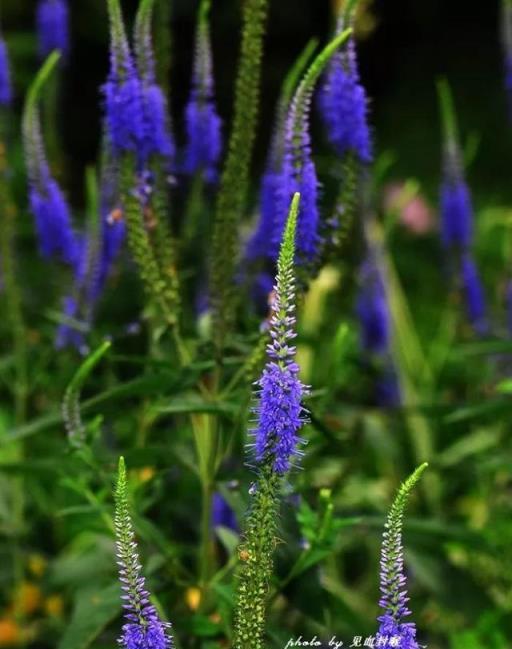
(299, 175)
(53, 221)
(135, 106)
(123, 103)
(143, 628)
(344, 106)
(47, 203)
(457, 218)
(456, 205)
(263, 243)
(5, 75)
(52, 20)
(203, 124)
(280, 414)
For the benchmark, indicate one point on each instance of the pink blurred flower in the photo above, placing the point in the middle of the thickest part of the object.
(414, 213)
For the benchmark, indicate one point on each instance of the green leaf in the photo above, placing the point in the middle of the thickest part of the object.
(469, 445)
(94, 609)
(228, 538)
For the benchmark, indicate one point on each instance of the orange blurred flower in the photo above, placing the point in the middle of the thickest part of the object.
(10, 633)
(146, 473)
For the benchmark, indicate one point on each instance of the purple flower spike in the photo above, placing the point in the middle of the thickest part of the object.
(5, 75)
(158, 138)
(299, 175)
(203, 125)
(393, 630)
(474, 294)
(264, 242)
(456, 210)
(280, 414)
(372, 309)
(52, 27)
(53, 222)
(143, 628)
(123, 108)
(344, 106)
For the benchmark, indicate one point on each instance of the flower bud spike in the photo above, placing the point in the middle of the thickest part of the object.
(392, 578)
(299, 171)
(203, 124)
(47, 202)
(455, 197)
(279, 411)
(264, 242)
(157, 136)
(143, 627)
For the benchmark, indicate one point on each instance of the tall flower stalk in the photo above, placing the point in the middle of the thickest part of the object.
(143, 628)
(299, 171)
(457, 216)
(235, 176)
(263, 244)
(274, 450)
(203, 124)
(343, 106)
(47, 202)
(394, 628)
(140, 142)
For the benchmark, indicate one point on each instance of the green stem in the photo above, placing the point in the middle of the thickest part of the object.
(205, 429)
(448, 114)
(256, 564)
(205, 556)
